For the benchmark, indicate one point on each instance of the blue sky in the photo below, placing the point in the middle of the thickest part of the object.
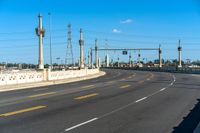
(125, 23)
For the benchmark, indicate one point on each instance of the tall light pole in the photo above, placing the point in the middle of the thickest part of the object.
(40, 33)
(118, 62)
(160, 56)
(89, 64)
(106, 57)
(130, 60)
(91, 60)
(96, 54)
(139, 55)
(81, 42)
(179, 54)
(50, 41)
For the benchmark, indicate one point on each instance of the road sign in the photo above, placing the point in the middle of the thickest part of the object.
(124, 52)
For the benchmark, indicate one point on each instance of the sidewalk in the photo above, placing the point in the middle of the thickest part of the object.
(47, 83)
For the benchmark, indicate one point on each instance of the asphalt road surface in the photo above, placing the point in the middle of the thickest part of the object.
(123, 101)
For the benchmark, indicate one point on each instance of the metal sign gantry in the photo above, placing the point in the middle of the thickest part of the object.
(129, 49)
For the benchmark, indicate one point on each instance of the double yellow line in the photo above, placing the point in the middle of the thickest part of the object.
(40, 107)
(87, 86)
(142, 81)
(43, 94)
(86, 96)
(124, 86)
(22, 111)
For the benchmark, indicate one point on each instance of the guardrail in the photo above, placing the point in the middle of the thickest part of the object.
(164, 69)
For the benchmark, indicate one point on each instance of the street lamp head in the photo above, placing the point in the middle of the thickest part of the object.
(39, 15)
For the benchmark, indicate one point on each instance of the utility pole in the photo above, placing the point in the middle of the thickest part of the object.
(81, 50)
(179, 53)
(96, 53)
(69, 59)
(40, 33)
(160, 56)
(50, 41)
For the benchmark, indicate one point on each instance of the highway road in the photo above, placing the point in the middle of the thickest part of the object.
(122, 101)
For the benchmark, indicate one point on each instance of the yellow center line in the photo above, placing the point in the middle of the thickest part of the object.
(86, 96)
(140, 82)
(88, 86)
(124, 86)
(43, 94)
(22, 111)
(110, 82)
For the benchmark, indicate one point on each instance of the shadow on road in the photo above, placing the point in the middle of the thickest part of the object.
(189, 122)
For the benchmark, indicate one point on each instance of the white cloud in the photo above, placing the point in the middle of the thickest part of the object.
(127, 21)
(116, 31)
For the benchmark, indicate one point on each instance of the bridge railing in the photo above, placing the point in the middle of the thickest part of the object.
(21, 77)
(164, 69)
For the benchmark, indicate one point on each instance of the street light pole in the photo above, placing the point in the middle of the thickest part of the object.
(50, 41)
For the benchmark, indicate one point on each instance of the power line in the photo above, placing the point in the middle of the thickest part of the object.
(103, 32)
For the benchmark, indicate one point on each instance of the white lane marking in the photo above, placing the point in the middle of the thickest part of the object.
(41, 89)
(174, 78)
(141, 99)
(162, 89)
(118, 109)
(81, 124)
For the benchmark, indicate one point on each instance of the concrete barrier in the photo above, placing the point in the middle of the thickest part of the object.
(164, 69)
(21, 77)
(57, 75)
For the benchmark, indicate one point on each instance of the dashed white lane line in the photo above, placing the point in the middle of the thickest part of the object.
(174, 78)
(162, 89)
(141, 99)
(81, 124)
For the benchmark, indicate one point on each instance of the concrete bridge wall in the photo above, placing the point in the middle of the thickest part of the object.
(21, 77)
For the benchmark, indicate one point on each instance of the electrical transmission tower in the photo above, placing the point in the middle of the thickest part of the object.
(69, 59)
